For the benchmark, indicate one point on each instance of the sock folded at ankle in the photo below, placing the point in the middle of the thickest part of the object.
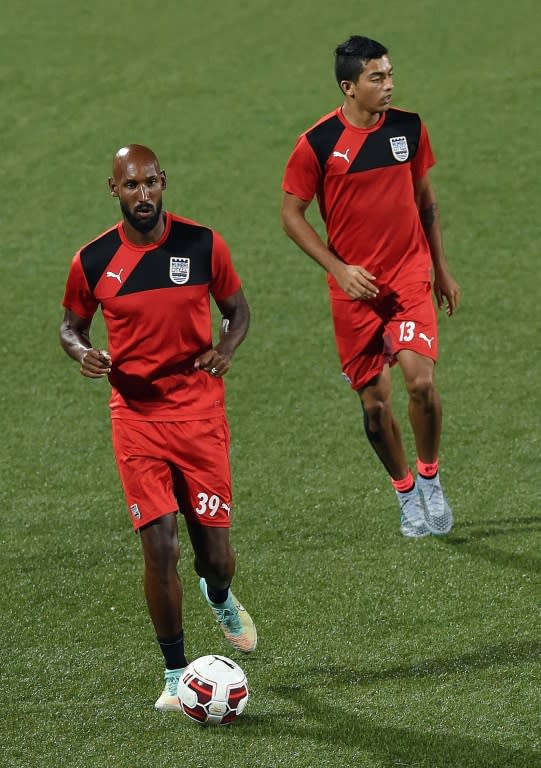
(428, 470)
(405, 485)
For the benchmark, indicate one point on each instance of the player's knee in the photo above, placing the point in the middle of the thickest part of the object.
(160, 548)
(374, 413)
(421, 388)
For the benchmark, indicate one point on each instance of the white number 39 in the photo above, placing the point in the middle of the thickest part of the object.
(210, 504)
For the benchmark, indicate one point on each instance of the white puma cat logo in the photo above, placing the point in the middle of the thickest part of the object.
(115, 275)
(425, 338)
(343, 155)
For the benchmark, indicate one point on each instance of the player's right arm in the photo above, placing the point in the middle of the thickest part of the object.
(75, 341)
(356, 281)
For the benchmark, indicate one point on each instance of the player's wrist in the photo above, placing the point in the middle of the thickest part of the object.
(225, 352)
(82, 353)
(336, 268)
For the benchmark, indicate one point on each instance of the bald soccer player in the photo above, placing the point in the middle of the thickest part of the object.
(153, 274)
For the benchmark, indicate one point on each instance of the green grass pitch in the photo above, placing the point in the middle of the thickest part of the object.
(374, 651)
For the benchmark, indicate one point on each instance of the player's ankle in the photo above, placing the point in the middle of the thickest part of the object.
(405, 484)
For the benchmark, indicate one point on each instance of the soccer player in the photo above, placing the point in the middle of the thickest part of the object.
(153, 275)
(367, 164)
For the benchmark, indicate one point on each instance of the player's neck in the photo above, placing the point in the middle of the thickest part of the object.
(360, 118)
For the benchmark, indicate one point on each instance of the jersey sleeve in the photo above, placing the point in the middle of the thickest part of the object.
(225, 281)
(302, 175)
(77, 297)
(424, 157)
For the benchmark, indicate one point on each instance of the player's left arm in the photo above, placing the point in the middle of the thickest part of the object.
(233, 329)
(446, 288)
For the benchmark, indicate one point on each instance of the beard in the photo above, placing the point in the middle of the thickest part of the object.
(142, 225)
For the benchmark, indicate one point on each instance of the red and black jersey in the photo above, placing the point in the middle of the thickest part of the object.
(155, 300)
(363, 180)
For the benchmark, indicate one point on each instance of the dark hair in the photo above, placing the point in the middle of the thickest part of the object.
(351, 57)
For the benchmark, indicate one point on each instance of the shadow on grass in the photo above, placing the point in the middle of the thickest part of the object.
(392, 746)
(474, 541)
(319, 719)
(485, 658)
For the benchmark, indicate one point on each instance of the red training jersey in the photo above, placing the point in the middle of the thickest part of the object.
(155, 300)
(363, 180)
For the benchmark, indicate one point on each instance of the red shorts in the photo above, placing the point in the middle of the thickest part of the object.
(369, 334)
(171, 466)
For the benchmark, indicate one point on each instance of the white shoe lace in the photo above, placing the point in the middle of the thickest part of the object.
(230, 618)
(171, 683)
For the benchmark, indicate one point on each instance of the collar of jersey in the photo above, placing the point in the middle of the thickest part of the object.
(352, 127)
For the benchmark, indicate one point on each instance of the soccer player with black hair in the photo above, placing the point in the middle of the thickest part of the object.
(367, 164)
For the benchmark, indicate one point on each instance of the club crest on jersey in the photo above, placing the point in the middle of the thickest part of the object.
(399, 148)
(179, 270)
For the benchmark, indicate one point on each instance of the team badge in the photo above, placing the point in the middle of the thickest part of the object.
(399, 148)
(179, 270)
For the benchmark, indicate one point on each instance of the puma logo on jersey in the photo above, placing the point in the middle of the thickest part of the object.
(424, 337)
(115, 275)
(343, 155)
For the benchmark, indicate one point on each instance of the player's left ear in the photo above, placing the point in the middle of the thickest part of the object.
(164, 179)
(346, 87)
(112, 187)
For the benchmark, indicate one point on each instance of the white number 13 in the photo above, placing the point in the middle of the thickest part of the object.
(407, 330)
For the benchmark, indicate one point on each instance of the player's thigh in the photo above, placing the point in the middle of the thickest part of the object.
(359, 336)
(212, 547)
(144, 471)
(413, 326)
(202, 472)
(417, 370)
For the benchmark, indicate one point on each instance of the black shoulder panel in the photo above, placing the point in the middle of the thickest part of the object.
(96, 256)
(323, 137)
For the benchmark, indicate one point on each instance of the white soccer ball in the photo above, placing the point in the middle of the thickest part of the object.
(213, 690)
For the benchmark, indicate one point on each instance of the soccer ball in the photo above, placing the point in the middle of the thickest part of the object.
(213, 690)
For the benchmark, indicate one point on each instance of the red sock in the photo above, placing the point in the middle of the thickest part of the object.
(427, 470)
(404, 485)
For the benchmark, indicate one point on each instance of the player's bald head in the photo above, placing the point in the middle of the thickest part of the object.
(135, 155)
(138, 183)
